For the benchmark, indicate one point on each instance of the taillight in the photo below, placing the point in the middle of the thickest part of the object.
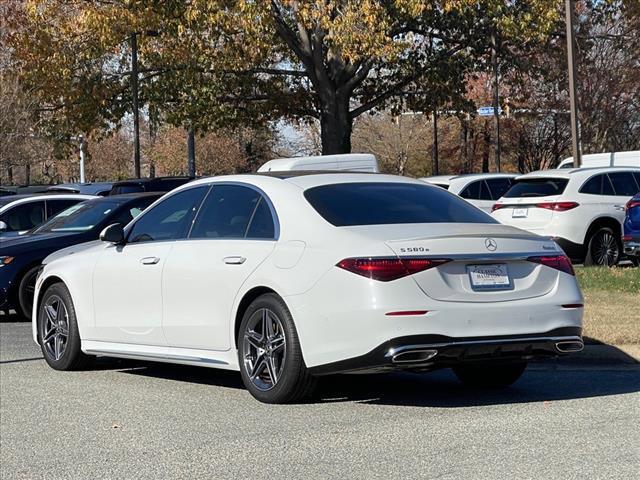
(386, 269)
(497, 206)
(559, 262)
(626, 238)
(558, 206)
(632, 203)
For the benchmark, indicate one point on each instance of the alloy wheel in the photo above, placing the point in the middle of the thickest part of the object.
(55, 327)
(264, 349)
(605, 249)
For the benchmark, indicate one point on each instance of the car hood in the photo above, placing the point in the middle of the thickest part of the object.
(31, 243)
(74, 249)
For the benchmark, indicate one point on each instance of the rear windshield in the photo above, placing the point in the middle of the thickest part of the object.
(537, 187)
(347, 204)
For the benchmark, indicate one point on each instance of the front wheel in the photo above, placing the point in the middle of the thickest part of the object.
(58, 330)
(603, 248)
(26, 289)
(488, 375)
(269, 353)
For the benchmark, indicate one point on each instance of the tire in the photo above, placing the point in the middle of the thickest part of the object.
(277, 355)
(26, 289)
(604, 248)
(490, 376)
(60, 342)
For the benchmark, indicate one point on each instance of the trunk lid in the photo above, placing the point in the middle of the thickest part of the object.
(474, 247)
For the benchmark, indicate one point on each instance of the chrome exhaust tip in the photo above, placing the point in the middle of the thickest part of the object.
(571, 346)
(413, 356)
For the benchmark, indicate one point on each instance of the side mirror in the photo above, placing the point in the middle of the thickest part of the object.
(113, 234)
(3, 226)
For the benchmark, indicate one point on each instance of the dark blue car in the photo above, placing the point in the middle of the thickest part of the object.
(631, 235)
(21, 257)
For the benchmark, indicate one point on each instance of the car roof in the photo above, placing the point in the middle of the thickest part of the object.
(8, 200)
(574, 172)
(139, 181)
(306, 179)
(126, 197)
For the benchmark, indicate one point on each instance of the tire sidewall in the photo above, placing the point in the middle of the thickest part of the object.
(72, 352)
(590, 260)
(26, 311)
(293, 355)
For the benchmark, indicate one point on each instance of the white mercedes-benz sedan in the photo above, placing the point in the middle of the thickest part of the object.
(289, 276)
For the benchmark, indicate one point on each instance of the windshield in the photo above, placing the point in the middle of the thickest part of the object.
(379, 203)
(537, 187)
(80, 217)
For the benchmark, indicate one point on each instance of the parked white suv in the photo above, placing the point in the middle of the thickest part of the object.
(581, 208)
(481, 189)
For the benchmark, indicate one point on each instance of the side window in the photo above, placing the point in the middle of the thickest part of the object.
(499, 186)
(24, 217)
(262, 222)
(593, 186)
(623, 183)
(54, 207)
(169, 219)
(636, 175)
(226, 212)
(471, 191)
(607, 188)
(485, 193)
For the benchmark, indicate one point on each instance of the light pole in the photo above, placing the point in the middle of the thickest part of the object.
(436, 166)
(573, 92)
(83, 149)
(191, 151)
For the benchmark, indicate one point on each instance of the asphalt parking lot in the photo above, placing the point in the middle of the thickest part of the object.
(140, 420)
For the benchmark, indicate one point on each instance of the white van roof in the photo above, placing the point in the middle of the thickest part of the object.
(352, 162)
(607, 159)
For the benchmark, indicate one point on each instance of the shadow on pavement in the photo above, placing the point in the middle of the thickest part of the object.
(434, 389)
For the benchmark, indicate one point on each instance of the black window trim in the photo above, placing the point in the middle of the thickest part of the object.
(263, 196)
(183, 234)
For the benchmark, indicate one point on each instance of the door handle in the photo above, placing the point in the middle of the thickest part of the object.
(619, 207)
(149, 260)
(234, 260)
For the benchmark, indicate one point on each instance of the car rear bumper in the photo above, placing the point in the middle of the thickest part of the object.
(575, 251)
(632, 247)
(430, 352)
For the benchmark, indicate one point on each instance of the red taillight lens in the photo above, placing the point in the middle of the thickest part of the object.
(626, 238)
(632, 203)
(497, 206)
(387, 269)
(559, 262)
(558, 206)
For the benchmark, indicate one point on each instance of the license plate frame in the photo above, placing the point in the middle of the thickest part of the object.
(520, 212)
(488, 282)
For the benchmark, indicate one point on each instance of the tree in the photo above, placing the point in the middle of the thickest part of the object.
(220, 63)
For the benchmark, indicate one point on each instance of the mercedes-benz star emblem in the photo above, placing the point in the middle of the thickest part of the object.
(491, 244)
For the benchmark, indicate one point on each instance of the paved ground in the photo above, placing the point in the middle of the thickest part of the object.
(135, 420)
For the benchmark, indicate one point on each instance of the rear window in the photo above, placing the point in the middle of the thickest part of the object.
(350, 204)
(537, 187)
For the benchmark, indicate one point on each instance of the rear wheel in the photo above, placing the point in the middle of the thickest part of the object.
(58, 330)
(488, 375)
(26, 289)
(603, 249)
(269, 353)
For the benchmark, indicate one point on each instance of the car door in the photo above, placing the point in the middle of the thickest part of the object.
(127, 278)
(234, 232)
